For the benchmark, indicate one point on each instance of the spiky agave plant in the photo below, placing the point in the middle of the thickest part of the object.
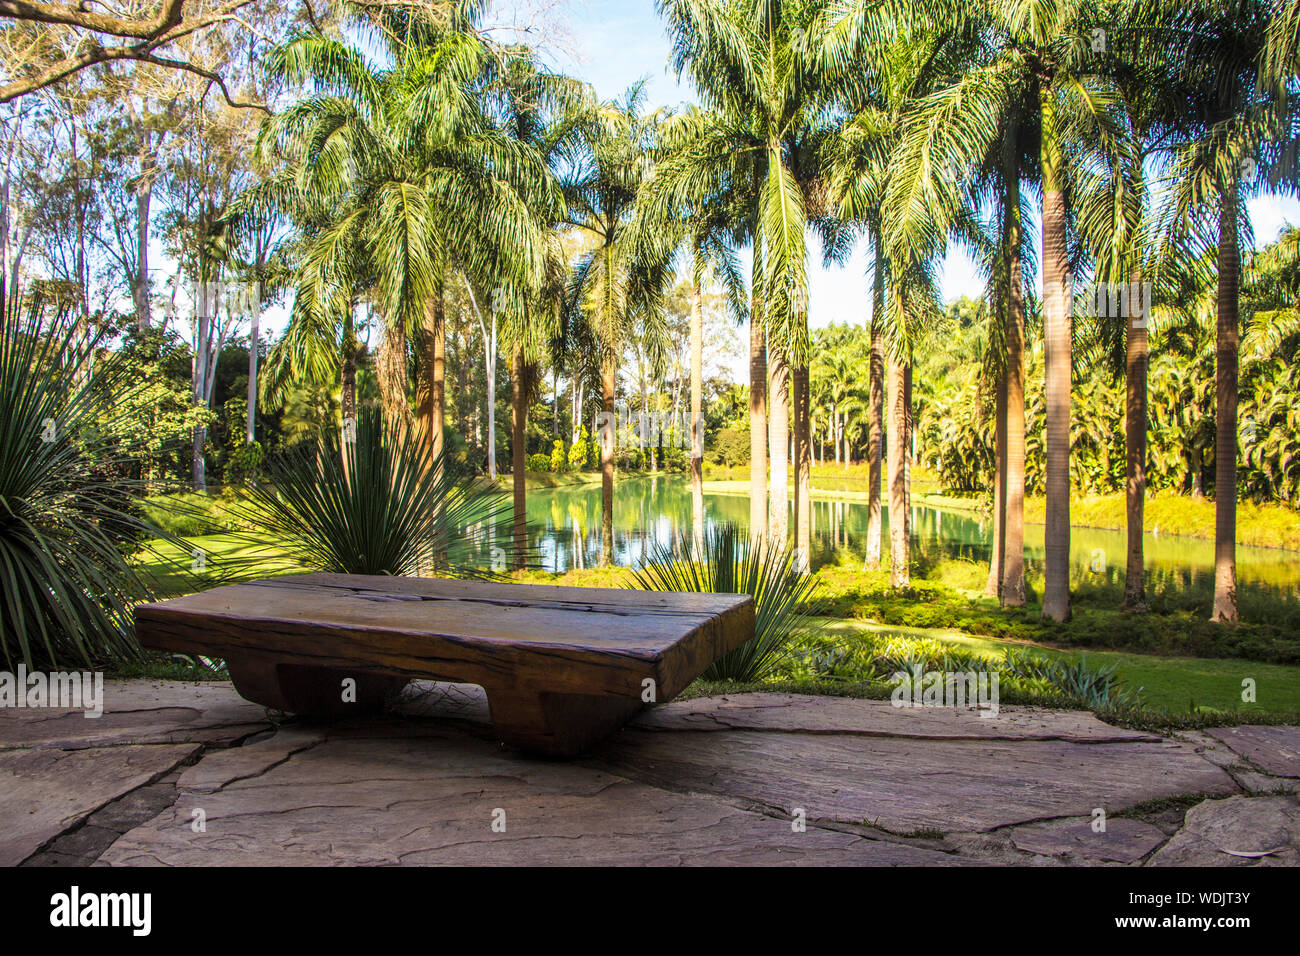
(372, 502)
(67, 515)
(724, 561)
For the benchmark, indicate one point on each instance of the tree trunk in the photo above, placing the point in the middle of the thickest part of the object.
(1225, 425)
(202, 346)
(802, 471)
(251, 418)
(1013, 521)
(518, 455)
(140, 290)
(606, 438)
(875, 415)
(392, 375)
(778, 440)
(899, 574)
(1135, 442)
(993, 587)
(348, 376)
(757, 416)
(697, 420)
(433, 372)
(909, 453)
(1056, 334)
(490, 367)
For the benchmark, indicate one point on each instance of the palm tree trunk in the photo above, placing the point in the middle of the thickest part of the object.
(993, 587)
(697, 422)
(1013, 521)
(433, 372)
(348, 378)
(606, 438)
(392, 374)
(875, 415)
(1056, 334)
(1225, 423)
(802, 470)
(1135, 443)
(778, 440)
(490, 369)
(518, 455)
(909, 453)
(757, 418)
(899, 576)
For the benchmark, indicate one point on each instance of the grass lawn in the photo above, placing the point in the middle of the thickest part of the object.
(171, 570)
(1174, 683)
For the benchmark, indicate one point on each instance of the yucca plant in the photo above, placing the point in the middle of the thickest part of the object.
(724, 561)
(68, 517)
(384, 507)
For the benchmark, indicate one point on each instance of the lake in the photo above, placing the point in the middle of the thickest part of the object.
(564, 533)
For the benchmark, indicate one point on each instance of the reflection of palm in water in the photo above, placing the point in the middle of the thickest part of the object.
(566, 520)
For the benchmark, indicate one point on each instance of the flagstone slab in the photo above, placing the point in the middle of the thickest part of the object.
(1123, 840)
(905, 785)
(704, 781)
(433, 799)
(810, 714)
(1275, 750)
(44, 792)
(139, 712)
(1238, 831)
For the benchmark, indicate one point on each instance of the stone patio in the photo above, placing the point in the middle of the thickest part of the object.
(190, 774)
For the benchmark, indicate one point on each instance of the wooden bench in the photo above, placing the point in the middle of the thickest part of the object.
(562, 667)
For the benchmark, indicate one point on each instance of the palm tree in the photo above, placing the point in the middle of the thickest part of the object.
(417, 176)
(705, 198)
(1035, 61)
(863, 158)
(1238, 133)
(1116, 223)
(757, 66)
(539, 112)
(623, 281)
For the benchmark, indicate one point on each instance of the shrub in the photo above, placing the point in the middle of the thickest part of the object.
(382, 511)
(730, 447)
(673, 459)
(579, 451)
(67, 517)
(559, 457)
(538, 462)
(725, 562)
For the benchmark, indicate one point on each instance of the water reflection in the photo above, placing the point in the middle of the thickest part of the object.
(564, 533)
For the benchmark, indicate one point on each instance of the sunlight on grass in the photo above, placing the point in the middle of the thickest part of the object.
(211, 560)
(1171, 682)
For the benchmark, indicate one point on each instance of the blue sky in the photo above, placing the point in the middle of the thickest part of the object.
(614, 43)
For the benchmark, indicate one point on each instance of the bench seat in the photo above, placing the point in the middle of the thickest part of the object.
(562, 667)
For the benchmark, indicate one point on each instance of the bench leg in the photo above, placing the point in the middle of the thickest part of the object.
(557, 725)
(311, 691)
